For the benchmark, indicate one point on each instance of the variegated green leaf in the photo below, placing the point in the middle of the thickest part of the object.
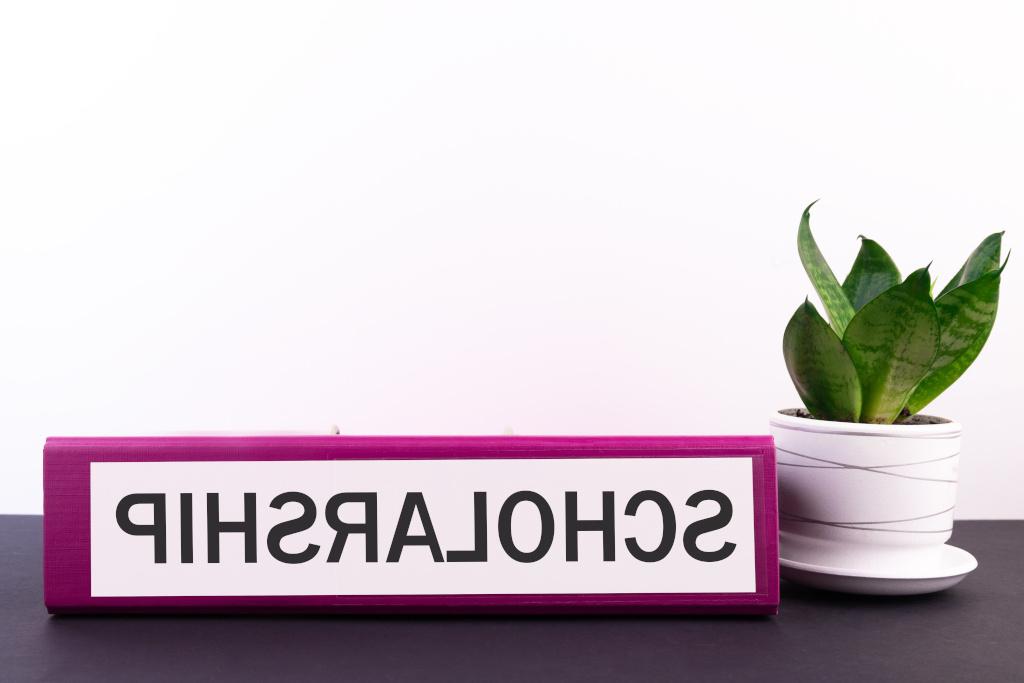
(838, 307)
(892, 342)
(984, 259)
(966, 316)
(821, 369)
(872, 273)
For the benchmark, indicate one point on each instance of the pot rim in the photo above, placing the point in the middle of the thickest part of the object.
(948, 429)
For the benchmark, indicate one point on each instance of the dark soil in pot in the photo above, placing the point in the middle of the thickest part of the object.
(910, 420)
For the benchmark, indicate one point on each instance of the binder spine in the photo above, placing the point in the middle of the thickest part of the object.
(70, 553)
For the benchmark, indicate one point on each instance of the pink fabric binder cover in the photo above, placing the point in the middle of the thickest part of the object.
(67, 524)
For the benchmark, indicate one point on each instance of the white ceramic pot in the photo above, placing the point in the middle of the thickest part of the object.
(865, 500)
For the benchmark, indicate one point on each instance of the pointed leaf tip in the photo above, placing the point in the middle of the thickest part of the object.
(807, 210)
(984, 258)
(872, 273)
(919, 281)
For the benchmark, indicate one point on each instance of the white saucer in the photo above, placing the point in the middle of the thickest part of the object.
(951, 566)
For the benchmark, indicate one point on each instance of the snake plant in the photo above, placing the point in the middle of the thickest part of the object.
(889, 347)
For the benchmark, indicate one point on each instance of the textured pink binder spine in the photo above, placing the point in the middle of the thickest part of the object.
(67, 561)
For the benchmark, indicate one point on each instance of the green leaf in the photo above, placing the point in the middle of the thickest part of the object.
(892, 342)
(966, 316)
(820, 368)
(984, 259)
(872, 273)
(838, 307)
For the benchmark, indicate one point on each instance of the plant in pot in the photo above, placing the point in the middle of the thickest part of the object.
(867, 484)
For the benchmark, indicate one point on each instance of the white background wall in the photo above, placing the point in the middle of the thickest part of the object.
(555, 217)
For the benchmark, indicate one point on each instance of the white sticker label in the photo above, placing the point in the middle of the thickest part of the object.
(422, 527)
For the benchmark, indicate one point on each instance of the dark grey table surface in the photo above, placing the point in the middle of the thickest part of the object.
(972, 632)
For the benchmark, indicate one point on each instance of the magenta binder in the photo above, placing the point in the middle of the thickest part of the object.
(74, 559)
